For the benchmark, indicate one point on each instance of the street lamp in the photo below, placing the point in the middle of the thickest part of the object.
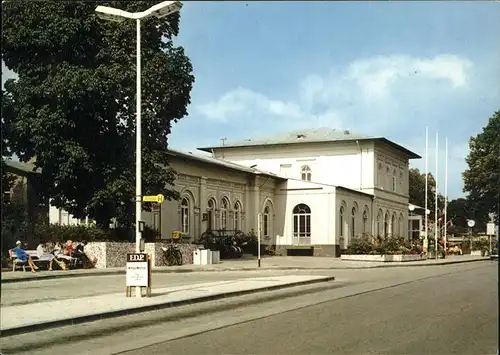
(160, 10)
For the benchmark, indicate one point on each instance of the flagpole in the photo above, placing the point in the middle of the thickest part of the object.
(426, 225)
(446, 193)
(436, 199)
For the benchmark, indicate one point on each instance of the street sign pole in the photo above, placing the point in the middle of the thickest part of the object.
(471, 223)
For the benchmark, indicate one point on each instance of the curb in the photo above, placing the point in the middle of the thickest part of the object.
(180, 271)
(148, 308)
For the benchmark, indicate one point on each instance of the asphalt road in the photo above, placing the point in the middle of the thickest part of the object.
(449, 314)
(449, 309)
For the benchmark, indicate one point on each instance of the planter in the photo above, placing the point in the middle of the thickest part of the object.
(382, 258)
(114, 254)
(475, 253)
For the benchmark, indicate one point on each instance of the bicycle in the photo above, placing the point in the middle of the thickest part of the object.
(173, 254)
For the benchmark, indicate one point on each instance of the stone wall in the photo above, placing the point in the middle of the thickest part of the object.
(113, 254)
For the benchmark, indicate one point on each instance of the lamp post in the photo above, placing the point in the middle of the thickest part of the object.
(160, 10)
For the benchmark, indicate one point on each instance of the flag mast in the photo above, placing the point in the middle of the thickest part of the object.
(436, 224)
(446, 194)
(426, 225)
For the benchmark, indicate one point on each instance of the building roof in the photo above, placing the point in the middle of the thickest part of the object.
(18, 166)
(221, 163)
(314, 135)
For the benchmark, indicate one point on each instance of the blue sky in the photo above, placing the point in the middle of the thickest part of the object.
(376, 68)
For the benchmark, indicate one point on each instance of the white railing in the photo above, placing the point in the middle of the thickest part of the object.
(301, 240)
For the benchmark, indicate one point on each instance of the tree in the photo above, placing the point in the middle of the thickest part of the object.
(458, 212)
(73, 104)
(482, 178)
(417, 191)
(7, 179)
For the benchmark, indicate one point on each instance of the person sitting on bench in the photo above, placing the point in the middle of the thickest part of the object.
(22, 255)
(44, 255)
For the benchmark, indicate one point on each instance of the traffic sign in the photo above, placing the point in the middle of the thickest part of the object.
(490, 229)
(154, 198)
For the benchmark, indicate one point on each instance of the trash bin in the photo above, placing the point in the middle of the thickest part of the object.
(197, 257)
(215, 256)
(205, 257)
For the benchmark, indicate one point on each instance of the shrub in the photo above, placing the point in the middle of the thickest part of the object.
(392, 245)
(482, 244)
(361, 245)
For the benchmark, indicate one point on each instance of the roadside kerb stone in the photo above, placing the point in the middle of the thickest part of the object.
(210, 268)
(160, 304)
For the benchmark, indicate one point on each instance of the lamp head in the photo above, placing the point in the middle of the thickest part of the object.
(112, 14)
(165, 8)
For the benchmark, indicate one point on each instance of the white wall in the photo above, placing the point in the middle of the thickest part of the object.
(339, 163)
(321, 201)
(63, 217)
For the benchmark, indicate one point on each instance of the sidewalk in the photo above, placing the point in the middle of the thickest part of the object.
(36, 316)
(247, 264)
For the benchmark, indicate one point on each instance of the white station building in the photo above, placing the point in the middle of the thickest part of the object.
(315, 189)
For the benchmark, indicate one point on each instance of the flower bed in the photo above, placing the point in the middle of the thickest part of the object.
(378, 249)
(114, 254)
(383, 258)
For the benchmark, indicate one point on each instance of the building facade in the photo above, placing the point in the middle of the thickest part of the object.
(316, 188)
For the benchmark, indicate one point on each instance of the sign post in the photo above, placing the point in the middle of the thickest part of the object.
(490, 231)
(139, 265)
(138, 273)
(471, 223)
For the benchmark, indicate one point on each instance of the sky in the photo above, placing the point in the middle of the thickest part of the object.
(376, 68)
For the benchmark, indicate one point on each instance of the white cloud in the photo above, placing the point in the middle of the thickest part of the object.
(353, 95)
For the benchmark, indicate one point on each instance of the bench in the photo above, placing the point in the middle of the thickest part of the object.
(16, 261)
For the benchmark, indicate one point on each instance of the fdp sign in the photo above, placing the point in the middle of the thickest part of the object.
(137, 270)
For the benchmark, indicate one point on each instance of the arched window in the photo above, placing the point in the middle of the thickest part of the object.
(394, 230)
(237, 215)
(302, 224)
(224, 206)
(380, 216)
(386, 225)
(185, 215)
(211, 213)
(305, 173)
(266, 221)
(353, 221)
(401, 224)
(341, 221)
(365, 220)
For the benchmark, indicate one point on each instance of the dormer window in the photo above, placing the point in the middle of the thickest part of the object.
(305, 173)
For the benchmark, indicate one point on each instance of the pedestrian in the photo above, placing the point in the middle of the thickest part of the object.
(22, 255)
(44, 255)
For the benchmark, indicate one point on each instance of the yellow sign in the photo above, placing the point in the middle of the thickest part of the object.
(155, 198)
(176, 235)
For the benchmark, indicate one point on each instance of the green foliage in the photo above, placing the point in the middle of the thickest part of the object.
(73, 104)
(482, 244)
(45, 232)
(459, 213)
(391, 245)
(482, 178)
(417, 190)
(361, 245)
(14, 223)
